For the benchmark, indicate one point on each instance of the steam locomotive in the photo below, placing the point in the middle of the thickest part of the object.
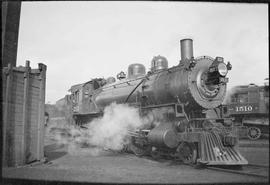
(178, 98)
(249, 106)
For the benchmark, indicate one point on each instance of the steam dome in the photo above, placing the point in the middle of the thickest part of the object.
(135, 70)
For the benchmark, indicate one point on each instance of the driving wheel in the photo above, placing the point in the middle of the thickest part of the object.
(254, 133)
(187, 152)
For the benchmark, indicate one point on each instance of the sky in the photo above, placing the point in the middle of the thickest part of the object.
(79, 41)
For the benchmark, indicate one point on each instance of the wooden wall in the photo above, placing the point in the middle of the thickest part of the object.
(23, 114)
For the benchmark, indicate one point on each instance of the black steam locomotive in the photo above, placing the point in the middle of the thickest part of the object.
(177, 97)
(249, 106)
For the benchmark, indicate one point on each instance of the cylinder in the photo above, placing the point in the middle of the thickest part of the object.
(186, 49)
(162, 137)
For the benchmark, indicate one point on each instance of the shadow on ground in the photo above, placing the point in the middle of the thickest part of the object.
(52, 151)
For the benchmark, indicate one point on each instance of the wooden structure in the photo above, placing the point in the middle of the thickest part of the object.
(23, 114)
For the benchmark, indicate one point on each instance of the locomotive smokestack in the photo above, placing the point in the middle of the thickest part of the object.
(186, 49)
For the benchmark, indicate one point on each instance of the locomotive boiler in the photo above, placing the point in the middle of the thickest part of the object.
(177, 98)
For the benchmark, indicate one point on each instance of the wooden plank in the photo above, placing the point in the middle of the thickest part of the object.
(16, 99)
(34, 98)
(15, 111)
(34, 145)
(33, 121)
(16, 86)
(34, 102)
(41, 118)
(19, 69)
(33, 110)
(17, 73)
(33, 71)
(6, 139)
(18, 77)
(15, 108)
(18, 130)
(33, 107)
(17, 122)
(25, 126)
(18, 81)
(34, 81)
(34, 87)
(17, 93)
(34, 93)
(16, 118)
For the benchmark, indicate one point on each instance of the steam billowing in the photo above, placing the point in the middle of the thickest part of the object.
(105, 133)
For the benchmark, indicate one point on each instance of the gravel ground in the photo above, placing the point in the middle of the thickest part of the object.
(112, 167)
(122, 168)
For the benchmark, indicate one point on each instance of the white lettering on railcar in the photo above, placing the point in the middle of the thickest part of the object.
(245, 108)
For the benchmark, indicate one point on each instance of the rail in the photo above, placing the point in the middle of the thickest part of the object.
(248, 170)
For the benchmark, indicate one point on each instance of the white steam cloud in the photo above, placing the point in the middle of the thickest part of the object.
(109, 132)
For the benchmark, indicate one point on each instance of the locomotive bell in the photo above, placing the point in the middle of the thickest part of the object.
(110, 80)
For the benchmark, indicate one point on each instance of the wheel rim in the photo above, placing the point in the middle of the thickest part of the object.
(139, 150)
(254, 133)
(187, 152)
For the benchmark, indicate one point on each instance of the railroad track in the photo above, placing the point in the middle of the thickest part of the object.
(249, 170)
(255, 170)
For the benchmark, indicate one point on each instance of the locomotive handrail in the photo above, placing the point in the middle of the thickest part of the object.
(194, 119)
(138, 78)
(134, 89)
(161, 105)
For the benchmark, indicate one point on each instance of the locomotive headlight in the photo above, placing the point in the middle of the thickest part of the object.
(222, 69)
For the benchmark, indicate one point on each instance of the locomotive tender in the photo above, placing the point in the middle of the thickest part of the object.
(177, 98)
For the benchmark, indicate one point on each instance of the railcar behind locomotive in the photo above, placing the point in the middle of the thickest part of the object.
(178, 98)
(249, 106)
